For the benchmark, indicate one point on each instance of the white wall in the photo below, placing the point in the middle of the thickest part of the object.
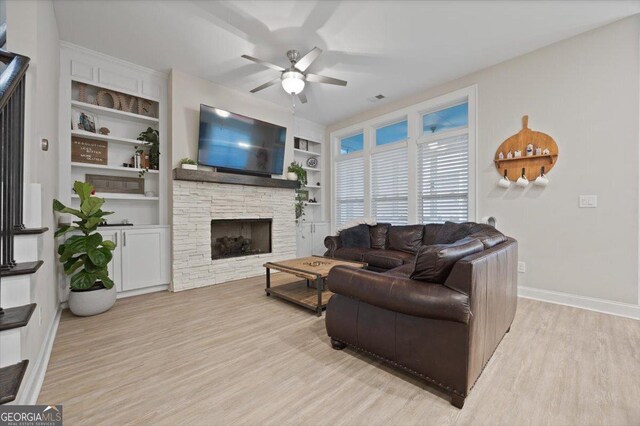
(32, 31)
(584, 92)
(186, 95)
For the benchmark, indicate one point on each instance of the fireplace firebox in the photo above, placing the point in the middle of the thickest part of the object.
(240, 237)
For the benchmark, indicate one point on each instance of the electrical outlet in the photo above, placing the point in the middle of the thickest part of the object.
(522, 267)
(588, 201)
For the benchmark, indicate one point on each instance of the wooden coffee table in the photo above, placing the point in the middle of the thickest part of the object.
(309, 293)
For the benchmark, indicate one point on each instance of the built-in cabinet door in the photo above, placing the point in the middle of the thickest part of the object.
(115, 266)
(304, 241)
(320, 231)
(144, 258)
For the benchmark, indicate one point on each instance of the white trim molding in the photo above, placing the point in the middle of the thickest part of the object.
(620, 309)
(33, 384)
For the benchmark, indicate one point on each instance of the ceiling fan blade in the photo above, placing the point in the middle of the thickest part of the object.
(315, 78)
(308, 59)
(265, 63)
(267, 84)
(302, 97)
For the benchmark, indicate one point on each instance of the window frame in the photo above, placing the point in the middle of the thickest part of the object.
(348, 135)
(379, 148)
(413, 114)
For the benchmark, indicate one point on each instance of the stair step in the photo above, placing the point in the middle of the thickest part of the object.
(24, 268)
(16, 317)
(30, 231)
(10, 379)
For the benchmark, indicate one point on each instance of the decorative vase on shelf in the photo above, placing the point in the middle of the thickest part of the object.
(292, 176)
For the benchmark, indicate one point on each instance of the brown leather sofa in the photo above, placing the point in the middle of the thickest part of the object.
(444, 332)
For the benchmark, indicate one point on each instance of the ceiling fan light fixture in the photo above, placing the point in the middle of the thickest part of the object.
(293, 82)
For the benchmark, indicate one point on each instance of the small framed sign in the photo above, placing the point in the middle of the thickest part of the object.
(89, 151)
(116, 184)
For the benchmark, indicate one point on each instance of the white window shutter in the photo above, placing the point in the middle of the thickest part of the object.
(349, 188)
(443, 180)
(390, 186)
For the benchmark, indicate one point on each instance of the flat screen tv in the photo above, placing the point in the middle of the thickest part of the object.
(232, 142)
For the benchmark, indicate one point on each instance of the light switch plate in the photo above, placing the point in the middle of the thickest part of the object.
(522, 267)
(588, 201)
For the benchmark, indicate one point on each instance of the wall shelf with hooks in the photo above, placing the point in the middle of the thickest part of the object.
(532, 163)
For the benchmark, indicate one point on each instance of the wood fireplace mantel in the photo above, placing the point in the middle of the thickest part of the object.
(233, 179)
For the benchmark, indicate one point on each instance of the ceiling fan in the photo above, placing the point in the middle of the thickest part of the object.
(293, 78)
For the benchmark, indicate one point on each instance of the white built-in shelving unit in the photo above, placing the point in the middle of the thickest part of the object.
(142, 260)
(309, 142)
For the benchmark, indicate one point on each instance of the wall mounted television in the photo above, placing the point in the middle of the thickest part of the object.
(235, 143)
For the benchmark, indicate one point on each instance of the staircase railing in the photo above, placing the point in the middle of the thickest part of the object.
(12, 108)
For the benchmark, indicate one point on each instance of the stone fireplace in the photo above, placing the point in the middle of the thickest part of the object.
(241, 207)
(240, 237)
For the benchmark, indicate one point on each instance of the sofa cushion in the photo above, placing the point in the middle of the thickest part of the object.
(351, 253)
(434, 263)
(406, 238)
(379, 234)
(357, 236)
(450, 232)
(489, 238)
(403, 271)
(387, 259)
(487, 234)
(431, 231)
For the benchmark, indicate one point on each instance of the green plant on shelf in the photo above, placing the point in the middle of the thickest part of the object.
(187, 160)
(301, 173)
(151, 139)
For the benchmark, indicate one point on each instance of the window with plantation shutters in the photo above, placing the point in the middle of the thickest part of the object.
(349, 189)
(390, 186)
(443, 178)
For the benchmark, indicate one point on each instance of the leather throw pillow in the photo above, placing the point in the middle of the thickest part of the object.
(434, 263)
(356, 237)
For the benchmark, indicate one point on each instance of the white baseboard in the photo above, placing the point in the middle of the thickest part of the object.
(33, 384)
(153, 289)
(599, 305)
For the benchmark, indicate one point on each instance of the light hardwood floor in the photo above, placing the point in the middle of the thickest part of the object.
(228, 354)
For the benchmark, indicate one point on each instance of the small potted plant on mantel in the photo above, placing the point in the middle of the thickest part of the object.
(188, 163)
(85, 257)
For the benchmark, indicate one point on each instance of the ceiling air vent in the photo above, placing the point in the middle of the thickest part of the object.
(377, 98)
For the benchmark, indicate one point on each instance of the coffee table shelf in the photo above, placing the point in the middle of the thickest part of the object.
(300, 293)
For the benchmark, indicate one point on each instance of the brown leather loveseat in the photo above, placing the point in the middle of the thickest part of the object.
(444, 301)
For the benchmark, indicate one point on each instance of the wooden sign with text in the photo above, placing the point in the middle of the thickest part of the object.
(89, 151)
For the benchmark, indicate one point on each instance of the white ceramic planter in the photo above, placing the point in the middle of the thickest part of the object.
(190, 166)
(292, 176)
(92, 302)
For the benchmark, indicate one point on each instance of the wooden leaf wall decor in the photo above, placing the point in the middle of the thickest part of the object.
(533, 163)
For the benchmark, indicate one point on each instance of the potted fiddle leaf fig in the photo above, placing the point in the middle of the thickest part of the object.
(86, 255)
